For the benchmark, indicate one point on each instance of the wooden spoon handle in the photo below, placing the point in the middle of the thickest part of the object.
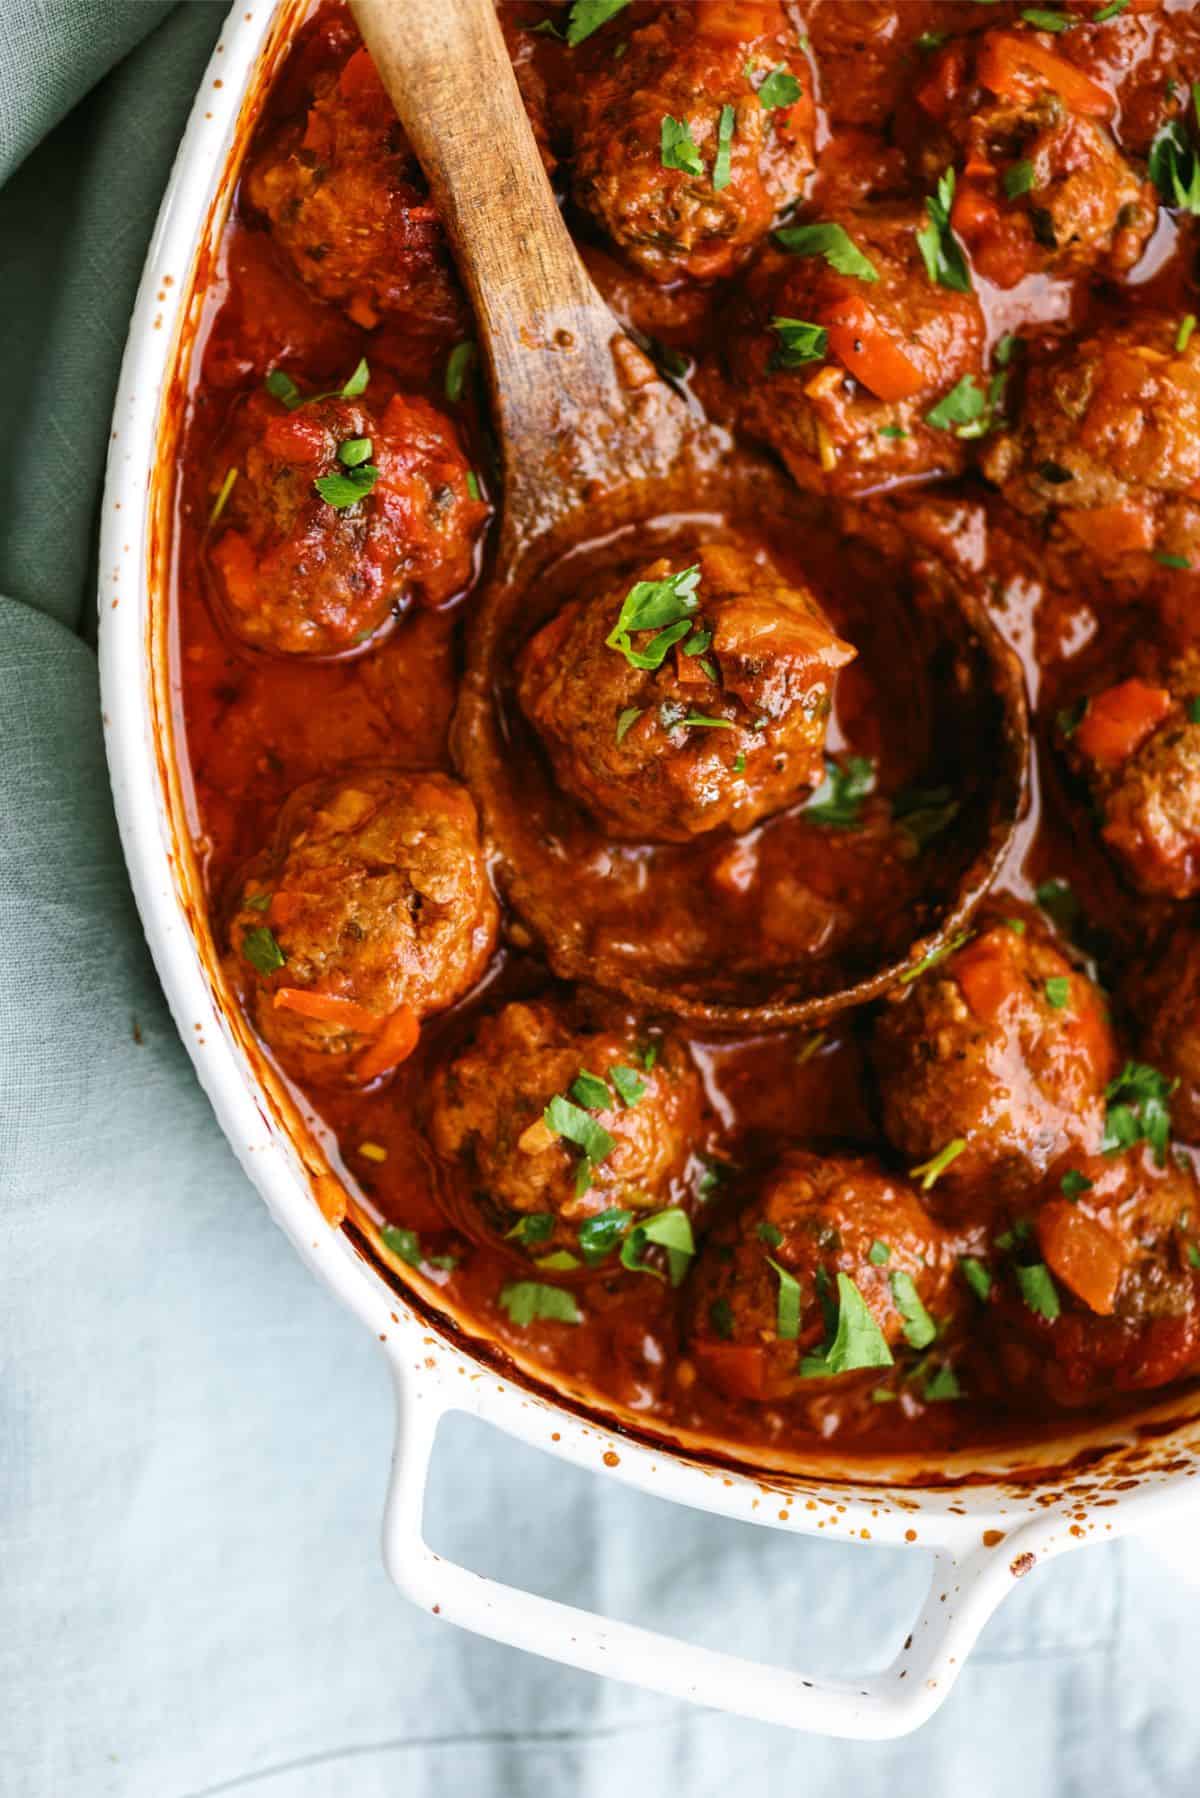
(549, 338)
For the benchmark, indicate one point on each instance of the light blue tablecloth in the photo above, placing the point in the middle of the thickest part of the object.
(193, 1437)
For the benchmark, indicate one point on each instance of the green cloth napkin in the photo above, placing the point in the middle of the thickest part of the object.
(193, 1437)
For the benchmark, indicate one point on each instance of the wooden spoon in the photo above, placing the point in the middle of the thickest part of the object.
(592, 439)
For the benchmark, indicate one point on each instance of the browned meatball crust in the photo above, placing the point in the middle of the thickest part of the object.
(1163, 995)
(345, 200)
(535, 1183)
(997, 1057)
(728, 727)
(855, 412)
(304, 569)
(697, 209)
(823, 1221)
(370, 908)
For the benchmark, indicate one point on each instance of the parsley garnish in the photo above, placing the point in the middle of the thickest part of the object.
(940, 250)
(924, 813)
(1173, 164)
(919, 1327)
(627, 719)
(722, 171)
(628, 1083)
(672, 1231)
(599, 1235)
(799, 343)
(590, 1091)
(930, 1171)
(525, 1300)
(534, 1227)
(892, 431)
(1018, 178)
(779, 89)
(406, 1244)
(787, 1308)
(1043, 19)
(769, 1233)
(280, 385)
(1183, 336)
(833, 243)
(1193, 709)
(739, 762)
(698, 721)
(222, 498)
(665, 606)
(357, 383)
(566, 1119)
(677, 149)
(837, 802)
(1058, 992)
(1167, 560)
(977, 1277)
(588, 16)
(354, 451)
(857, 1342)
(720, 1316)
(1038, 1290)
(1110, 11)
(934, 957)
(943, 1384)
(1073, 1183)
(1138, 1110)
(458, 366)
(262, 951)
(964, 406)
(879, 1253)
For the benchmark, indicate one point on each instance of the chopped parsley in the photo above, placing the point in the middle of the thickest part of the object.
(262, 951)
(698, 721)
(459, 364)
(1167, 560)
(934, 956)
(941, 252)
(534, 1227)
(280, 385)
(1193, 709)
(878, 1253)
(977, 1276)
(769, 1233)
(739, 762)
(857, 1341)
(1073, 1183)
(1018, 178)
(222, 498)
(356, 385)
(931, 40)
(892, 431)
(666, 607)
(1183, 336)
(1110, 11)
(940, 1385)
(628, 1082)
(258, 902)
(962, 409)
(929, 1172)
(473, 487)
(560, 1262)
(1174, 166)
(599, 1235)
(527, 1300)
(1016, 925)
(354, 451)
(787, 1307)
(627, 719)
(567, 1119)
(406, 1245)
(1058, 992)
(799, 343)
(590, 1091)
(1138, 1110)
(588, 16)
(837, 802)
(677, 148)
(1043, 18)
(1038, 1290)
(919, 1327)
(832, 242)
(722, 170)
(779, 89)
(712, 1179)
(923, 813)
(346, 489)
(670, 1230)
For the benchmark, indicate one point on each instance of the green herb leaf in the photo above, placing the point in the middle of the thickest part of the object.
(893, 431)
(568, 1120)
(832, 242)
(405, 1244)
(837, 802)
(1018, 178)
(720, 1316)
(527, 1300)
(722, 169)
(1058, 901)
(1174, 166)
(698, 721)
(1073, 1183)
(1167, 560)
(787, 1308)
(257, 902)
(858, 1340)
(941, 1385)
(1138, 1110)
(354, 451)
(280, 385)
(1058, 992)
(1193, 1255)
(262, 951)
(965, 404)
(459, 364)
(799, 343)
(560, 1262)
(923, 813)
(358, 381)
(1183, 336)
(930, 1171)
(779, 89)
(222, 498)
(677, 149)
(627, 719)
(1070, 717)
(672, 1231)
(769, 1233)
(1016, 925)
(977, 1276)
(931, 40)
(919, 1327)
(473, 485)
(599, 1235)
(941, 252)
(934, 957)
(653, 605)
(1042, 18)
(590, 1091)
(712, 1179)
(1193, 709)
(739, 762)
(1110, 11)
(1038, 1290)
(534, 1227)
(342, 490)
(628, 1083)
(588, 16)
(879, 1253)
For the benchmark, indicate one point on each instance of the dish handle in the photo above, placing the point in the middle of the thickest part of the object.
(963, 1592)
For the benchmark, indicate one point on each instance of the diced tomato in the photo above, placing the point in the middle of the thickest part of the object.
(1112, 530)
(1081, 1253)
(1117, 723)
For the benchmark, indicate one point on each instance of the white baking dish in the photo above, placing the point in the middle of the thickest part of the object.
(982, 1525)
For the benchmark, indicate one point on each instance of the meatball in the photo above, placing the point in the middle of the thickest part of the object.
(690, 145)
(330, 515)
(829, 1224)
(1045, 189)
(994, 1062)
(686, 700)
(1109, 425)
(1099, 1288)
(1138, 744)
(556, 1121)
(370, 908)
(870, 53)
(857, 404)
(1163, 995)
(345, 200)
